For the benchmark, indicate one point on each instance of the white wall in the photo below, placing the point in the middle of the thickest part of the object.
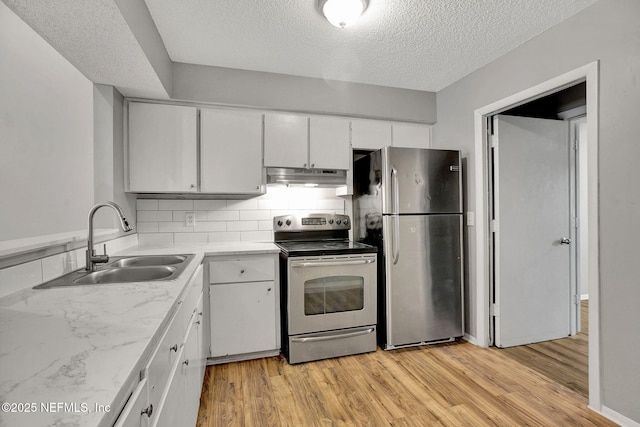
(46, 133)
(108, 106)
(292, 93)
(609, 32)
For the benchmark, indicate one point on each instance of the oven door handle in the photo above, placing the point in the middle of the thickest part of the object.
(332, 263)
(333, 336)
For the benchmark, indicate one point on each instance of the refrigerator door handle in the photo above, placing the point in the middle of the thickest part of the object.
(395, 240)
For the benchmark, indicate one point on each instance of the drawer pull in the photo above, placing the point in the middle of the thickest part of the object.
(148, 410)
(268, 289)
(186, 362)
(197, 322)
(242, 271)
(174, 348)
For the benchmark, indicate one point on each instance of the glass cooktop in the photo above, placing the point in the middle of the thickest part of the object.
(324, 247)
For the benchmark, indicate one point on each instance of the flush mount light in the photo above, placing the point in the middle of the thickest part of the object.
(342, 13)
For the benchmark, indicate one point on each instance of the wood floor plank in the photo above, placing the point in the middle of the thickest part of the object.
(443, 385)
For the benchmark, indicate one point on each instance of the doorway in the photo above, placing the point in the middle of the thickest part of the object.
(534, 213)
(588, 249)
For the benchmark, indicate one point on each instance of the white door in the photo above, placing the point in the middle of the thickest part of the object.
(329, 143)
(286, 140)
(162, 148)
(231, 151)
(411, 135)
(532, 279)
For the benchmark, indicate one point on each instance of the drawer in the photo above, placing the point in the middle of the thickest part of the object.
(245, 269)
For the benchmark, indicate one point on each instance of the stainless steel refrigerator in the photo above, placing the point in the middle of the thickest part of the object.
(408, 202)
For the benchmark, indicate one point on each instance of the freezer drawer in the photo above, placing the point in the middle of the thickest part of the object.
(423, 272)
(323, 345)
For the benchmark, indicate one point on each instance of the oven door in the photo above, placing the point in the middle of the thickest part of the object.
(331, 292)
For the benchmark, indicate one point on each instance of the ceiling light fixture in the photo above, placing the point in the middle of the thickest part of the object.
(342, 13)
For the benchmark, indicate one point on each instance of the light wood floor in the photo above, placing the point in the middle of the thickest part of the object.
(455, 384)
(564, 361)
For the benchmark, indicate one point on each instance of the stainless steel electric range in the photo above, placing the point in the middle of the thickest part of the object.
(328, 288)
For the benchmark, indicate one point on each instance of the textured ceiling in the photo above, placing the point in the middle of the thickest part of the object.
(414, 44)
(95, 37)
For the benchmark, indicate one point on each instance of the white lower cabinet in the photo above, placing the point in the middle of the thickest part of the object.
(243, 318)
(244, 304)
(169, 391)
(137, 411)
(182, 398)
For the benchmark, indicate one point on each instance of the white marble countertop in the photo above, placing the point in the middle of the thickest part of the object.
(66, 353)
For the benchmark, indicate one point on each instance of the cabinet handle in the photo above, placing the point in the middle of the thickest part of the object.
(148, 410)
(192, 186)
(257, 187)
(200, 314)
(197, 322)
(268, 289)
(313, 165)
(186, 362)
(304, 166)
(242, 271)
(174, 348)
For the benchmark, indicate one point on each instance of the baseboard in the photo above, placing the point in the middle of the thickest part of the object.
(239, 357)
(471, 339)
(616, 417)
(584, 297)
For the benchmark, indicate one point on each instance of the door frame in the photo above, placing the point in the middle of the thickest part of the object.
(589, 253)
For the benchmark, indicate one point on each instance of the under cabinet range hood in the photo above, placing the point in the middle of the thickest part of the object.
(307, 177)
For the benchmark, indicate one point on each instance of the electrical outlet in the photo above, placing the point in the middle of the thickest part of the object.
(190, 219)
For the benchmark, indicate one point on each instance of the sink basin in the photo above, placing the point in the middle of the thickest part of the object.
(144, 261)
(127, 269)
(124, 275)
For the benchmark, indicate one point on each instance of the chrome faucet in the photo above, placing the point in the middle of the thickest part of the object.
(92, 258)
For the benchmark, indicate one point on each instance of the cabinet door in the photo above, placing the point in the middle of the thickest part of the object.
(243, 318)
(370, 134)
(162, 148)
(329, 143)
(202, 341)
(231, 152)
(169, 412)
(191, 367)
(411, 135)
(286, 140)
(137, 411)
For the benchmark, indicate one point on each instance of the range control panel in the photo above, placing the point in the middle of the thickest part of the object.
(312, 222)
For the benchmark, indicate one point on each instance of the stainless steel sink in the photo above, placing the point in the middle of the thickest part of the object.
(144, 261)
(125, 275)
(138, 268)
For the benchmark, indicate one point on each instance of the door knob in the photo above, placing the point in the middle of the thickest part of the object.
(565, 241)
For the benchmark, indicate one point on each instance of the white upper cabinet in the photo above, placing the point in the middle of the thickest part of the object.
(298, 141)
(370, 134)
(231, 151)
(411, 135)
(329, 143)
(163, 148)
(286, 140)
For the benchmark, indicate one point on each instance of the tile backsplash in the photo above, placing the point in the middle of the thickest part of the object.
(164, 221)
